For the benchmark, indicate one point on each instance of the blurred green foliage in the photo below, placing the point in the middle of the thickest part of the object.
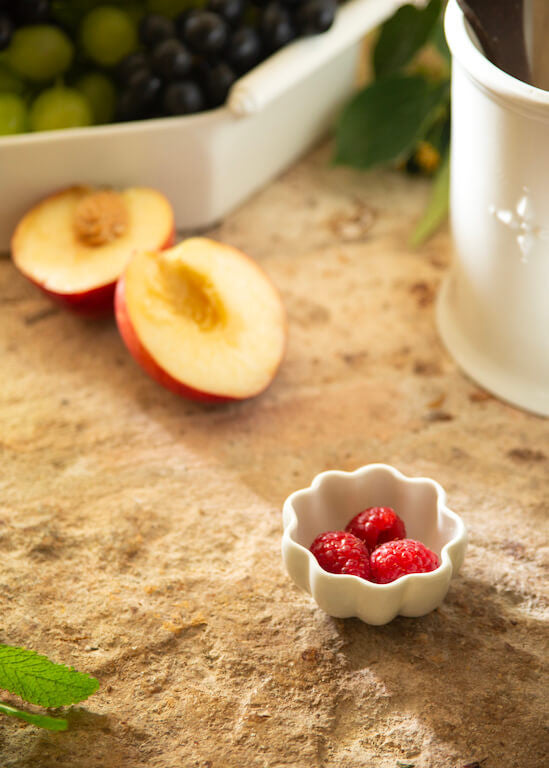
(402, 117)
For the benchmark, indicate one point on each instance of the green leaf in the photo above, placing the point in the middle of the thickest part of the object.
(439, 40)
(437, 208)
(403, 35)
(439, 133)
(38, 680)
(386, 119)
(42, 721)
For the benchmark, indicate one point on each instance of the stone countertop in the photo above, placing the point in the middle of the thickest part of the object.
(140, 533)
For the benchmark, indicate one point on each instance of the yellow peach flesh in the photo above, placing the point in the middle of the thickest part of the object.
(50, 249)
(208, 316)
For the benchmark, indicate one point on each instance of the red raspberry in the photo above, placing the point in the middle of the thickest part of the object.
(376, 525)
(340, 552)
(397, 558)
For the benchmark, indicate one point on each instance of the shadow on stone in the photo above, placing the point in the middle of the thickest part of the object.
(467, 668)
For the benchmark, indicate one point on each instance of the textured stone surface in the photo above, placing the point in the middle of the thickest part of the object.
(140, 534)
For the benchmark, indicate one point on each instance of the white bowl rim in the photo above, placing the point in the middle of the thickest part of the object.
(463, 48)
(446, 561)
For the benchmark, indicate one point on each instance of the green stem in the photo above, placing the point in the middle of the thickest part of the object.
(437, 208)
(42, 721)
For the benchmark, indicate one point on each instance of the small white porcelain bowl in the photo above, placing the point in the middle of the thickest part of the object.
(332, 500)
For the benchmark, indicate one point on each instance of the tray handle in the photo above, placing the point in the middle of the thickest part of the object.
(266, 82)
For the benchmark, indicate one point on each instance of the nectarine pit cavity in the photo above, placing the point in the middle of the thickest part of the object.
(100, 217)
(191, 294)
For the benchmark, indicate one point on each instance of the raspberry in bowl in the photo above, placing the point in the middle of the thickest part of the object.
(341, 552)
(376, 525)
(335, 500)
(401, 557)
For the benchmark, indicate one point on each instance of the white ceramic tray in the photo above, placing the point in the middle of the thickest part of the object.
(207, 163)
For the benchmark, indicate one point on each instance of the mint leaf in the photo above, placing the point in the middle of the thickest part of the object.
(437, 208)
(403, 35)
(386, 119)
(38, 680)
(42, 721)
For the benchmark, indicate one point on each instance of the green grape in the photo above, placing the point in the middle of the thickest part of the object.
(13, 114)
(59, 107)
(100, 94)
(40, 52)
(170, 8)
(108, 35)
(10, 83)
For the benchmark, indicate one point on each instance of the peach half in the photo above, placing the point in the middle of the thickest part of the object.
(202, 319)
(75, 244)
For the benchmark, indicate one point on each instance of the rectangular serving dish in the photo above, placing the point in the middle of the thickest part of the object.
(208, 163)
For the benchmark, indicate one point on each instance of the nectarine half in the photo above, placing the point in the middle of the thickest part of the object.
(75, 244)
(202, 319)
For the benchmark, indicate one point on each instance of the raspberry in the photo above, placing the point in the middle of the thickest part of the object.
(397, 558)
(340, 552)
(376, 525)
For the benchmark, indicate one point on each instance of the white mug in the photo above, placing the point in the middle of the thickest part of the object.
(493, 309)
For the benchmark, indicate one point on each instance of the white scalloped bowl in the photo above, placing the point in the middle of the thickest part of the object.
(332, 500)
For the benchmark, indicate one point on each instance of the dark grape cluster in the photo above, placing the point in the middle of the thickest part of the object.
(17, 13)
(188, 64)
(73, 63)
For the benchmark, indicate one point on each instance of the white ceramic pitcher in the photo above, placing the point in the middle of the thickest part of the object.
(493, 309)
